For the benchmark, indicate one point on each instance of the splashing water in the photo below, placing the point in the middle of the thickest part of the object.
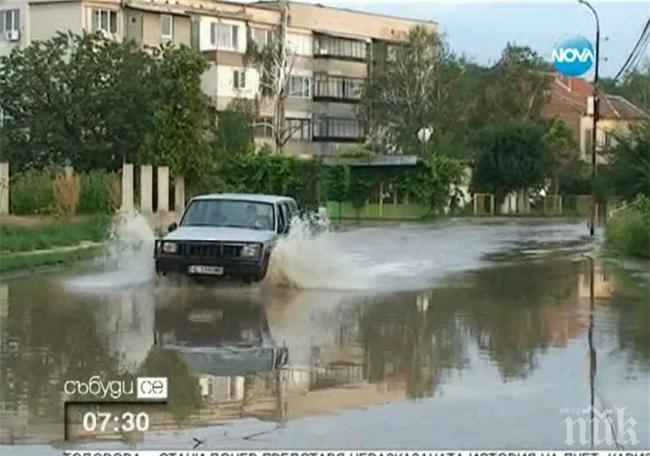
(309, 257)
(128, 259)
(313, 256)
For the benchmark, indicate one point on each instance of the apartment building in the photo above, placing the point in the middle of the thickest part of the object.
(332, 51)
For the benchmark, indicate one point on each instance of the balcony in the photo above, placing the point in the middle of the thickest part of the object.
(337, 88)
(326, 46)
(337, 129)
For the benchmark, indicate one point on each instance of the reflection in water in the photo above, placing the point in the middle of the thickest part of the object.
(280, 355)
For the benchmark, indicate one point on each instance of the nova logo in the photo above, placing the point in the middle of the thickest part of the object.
(573, 56)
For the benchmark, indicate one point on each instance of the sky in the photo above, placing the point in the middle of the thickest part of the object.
(480, 29)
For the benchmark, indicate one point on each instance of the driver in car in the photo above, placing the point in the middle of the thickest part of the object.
(255, 220)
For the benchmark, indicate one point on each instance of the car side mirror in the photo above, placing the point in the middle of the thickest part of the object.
(172, 227)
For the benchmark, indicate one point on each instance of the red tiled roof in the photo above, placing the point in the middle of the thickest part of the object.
(617, 107)
(574, 93)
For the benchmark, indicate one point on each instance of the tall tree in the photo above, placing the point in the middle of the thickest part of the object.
(515, 87)
(564, 152)
(416, 89)
(509, 157)
(275, 60)
(628, 174)
(74, 99)
(176, 137)
(234, 132)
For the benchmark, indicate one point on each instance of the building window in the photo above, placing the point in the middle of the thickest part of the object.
(300, 86)
(10, 25)
(224, 36)
(263, 127)
(337, 129)
(261, 37)
(610, 140)
(587, 142)
(104, 20)
(299, 129)
(239, 79)
(166, 26)
(339, 47)
(338, 87)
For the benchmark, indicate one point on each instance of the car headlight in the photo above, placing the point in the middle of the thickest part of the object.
(250, 250)
(169, 247)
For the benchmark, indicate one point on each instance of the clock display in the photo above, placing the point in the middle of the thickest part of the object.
(126, 422)
(85, 420)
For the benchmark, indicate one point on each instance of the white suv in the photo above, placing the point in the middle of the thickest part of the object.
(225, 235)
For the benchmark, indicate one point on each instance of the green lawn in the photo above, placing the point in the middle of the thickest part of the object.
(629, 233)
(18, 238)
(50, 242)
(17, 261)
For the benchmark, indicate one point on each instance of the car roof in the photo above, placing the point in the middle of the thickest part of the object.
(244, 197)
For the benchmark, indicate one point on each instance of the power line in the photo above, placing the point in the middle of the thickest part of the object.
(640, 54)
(637, 50)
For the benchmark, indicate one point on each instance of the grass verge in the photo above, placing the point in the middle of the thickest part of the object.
(14, 262)
(629, 231)
(49, 235)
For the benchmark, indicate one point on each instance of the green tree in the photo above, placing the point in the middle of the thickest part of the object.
(176, 138)
(436, 185)
(234, 133)
(75, 99)
(635, 86)
(628, 173)
(414, 90)
(514, 88)
(565, 163)
(509, 157)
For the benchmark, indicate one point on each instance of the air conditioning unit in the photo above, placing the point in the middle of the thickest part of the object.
(12, 35)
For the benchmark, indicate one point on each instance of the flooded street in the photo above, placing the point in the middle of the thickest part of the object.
(454, 335)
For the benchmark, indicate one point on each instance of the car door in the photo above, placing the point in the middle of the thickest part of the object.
(286, 216)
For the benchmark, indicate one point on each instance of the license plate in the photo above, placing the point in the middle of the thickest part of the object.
(207, 270)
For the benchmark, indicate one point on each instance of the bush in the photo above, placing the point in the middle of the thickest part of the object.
(66, 195)
(31, 192)
(100, 192)
(273, 174)
(629, 231)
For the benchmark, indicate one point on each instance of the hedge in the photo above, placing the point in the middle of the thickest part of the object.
(31, 192)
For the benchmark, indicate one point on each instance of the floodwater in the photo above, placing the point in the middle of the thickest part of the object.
(453, 335)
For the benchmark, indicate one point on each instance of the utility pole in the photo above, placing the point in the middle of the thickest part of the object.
(592, 221)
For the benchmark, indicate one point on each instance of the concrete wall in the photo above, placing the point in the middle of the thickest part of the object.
(351, 23)
(340, 67)
(152, 33)
(218, 84)
(300, 43)
(604, 125)
(48, 18)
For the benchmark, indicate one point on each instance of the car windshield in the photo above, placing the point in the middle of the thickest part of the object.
(231, 213)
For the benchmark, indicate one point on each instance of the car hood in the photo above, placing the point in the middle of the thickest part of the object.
(215, 233)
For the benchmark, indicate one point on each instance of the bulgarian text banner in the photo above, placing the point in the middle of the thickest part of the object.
(355, 453)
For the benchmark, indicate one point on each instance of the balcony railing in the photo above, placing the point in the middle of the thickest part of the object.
(340, 48)
(337, 88)
(337, 129)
